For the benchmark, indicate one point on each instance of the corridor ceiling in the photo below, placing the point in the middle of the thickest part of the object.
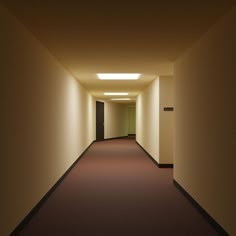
(90, 37)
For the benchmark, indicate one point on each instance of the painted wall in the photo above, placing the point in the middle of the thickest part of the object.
(47, 120)
(154, 127)
(115, 120)
(166, 120)
(147, 119)
(204, 149)
(131, 119)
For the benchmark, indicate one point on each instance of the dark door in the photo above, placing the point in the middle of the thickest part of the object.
(99, 121)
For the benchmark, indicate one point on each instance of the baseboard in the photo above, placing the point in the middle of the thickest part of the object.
(165, 165)
(156, 163)
(203, 212)
(107, 139)
(35, 209)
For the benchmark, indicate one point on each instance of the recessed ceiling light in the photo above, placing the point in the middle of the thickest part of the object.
(118, 76)
(120, 99)
(115, 94)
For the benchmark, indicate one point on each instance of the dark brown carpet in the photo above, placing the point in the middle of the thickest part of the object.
(116, 190)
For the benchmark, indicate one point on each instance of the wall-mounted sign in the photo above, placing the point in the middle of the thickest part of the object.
(168, 108)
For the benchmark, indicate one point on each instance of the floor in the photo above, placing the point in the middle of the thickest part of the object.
(116, 189)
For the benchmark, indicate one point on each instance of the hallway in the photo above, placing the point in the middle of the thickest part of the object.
(115, 189)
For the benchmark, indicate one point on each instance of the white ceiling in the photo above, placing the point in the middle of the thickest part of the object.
(90, 37)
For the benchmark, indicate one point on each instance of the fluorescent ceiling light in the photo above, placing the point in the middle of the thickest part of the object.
(120, 99)
(118, 76)
(116, 94)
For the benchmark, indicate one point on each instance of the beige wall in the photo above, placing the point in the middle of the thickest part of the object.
(47, 121)
(131, 119)
(115, 120)
(166, 120)
(154, 127)
(147, 119)
(204, 149)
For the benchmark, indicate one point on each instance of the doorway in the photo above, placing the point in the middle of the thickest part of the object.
(99, 121)
(132, 120)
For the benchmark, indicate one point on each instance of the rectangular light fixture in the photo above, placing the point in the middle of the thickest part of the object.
(120, 99)
(116, 94)
(118, 76)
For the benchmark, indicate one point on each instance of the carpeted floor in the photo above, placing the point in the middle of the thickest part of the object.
(116, 190)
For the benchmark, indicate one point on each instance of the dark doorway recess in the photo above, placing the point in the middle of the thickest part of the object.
(99, 121)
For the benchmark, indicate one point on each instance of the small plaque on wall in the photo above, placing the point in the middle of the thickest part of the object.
(168, 108)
